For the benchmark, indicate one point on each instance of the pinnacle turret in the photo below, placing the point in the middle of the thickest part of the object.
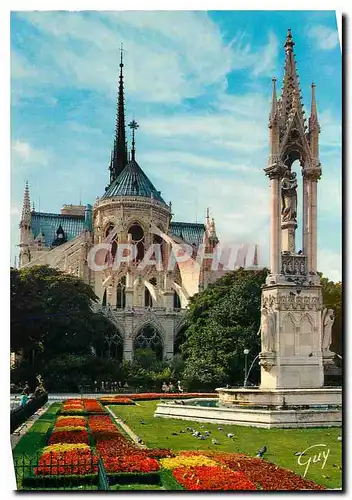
(313, 119)
(26, 208)
(290, 100)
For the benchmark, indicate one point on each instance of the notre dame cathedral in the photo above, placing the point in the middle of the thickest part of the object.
(146, 305)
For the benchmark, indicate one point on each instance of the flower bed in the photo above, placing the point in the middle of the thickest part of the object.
(159, 453)
(208, 478)
(269, 476)
(67, 460)
(119, 454)
(161, 395)
(136, 462)
(69, 428)
(71, 421)
(69, 436)
(191, 460)
(116, 400)
(265, 474)
(92, 406)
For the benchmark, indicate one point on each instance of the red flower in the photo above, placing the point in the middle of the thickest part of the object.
(208, 478)
(92, 405)
(137, 462)
(69, 437)
(269, 476)
(71, 462)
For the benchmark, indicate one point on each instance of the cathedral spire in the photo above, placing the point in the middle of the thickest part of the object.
(25, 229)
(291, 94)
(119, 156)
(26, 208)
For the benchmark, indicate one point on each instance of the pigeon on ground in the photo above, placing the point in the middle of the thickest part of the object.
(207, 432)
(220, 428)
(142, 422)
(230, 435)
(202, 437)
(261, 452)
(189, 429)
(182, 432)
(214, 441)
(202, 426)
(339, 438)
(174, 434)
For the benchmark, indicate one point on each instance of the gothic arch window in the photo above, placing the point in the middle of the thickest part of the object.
(177, 301)
(121, 294)
(149, 338)
(138, 239)
(112, 253)
(157, 240)
(113, 347)
(148, 299)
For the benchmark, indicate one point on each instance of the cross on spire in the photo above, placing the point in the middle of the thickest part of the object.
(133, 126)
(122, 50)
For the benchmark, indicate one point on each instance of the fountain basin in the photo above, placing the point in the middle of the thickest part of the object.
(281, 397)
(265, 412)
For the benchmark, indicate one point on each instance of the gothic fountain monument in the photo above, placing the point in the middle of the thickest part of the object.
(295, 328)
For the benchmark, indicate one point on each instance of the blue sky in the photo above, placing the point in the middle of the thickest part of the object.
(199, 85)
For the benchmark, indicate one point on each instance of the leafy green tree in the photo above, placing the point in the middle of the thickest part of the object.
(222, 321)
(145, 358)
(51, 315)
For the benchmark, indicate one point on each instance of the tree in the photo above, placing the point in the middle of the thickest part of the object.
(332, 299)
(51, 315)
(223, 320)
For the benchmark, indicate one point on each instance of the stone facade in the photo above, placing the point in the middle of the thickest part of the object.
(145, 302)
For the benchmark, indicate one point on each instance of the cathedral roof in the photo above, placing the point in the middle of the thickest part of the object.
(132, 181)
(48, 224)
(190, 232)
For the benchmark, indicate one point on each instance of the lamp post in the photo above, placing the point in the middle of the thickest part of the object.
(245, 352)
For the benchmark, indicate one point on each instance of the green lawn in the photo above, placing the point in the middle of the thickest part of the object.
(282, 444)
(29, 446)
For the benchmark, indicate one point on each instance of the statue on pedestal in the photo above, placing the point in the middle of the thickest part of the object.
(327, 320)
(267, 329)
(289, 196)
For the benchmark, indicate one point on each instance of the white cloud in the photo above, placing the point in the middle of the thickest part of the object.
(266, 65)
(326, 38)
(24, 154)
(162, 59)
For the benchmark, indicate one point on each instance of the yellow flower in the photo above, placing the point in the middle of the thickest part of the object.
(186, 461)
(62, 447)
(69, 428)
(73, 417)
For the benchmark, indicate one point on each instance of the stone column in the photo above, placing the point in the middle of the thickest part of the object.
(128, 341)
(313, 224)
(275, 223)
(305, 228)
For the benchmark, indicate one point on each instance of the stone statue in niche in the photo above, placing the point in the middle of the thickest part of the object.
(267, 330)
(327, 320)
(289, 196)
